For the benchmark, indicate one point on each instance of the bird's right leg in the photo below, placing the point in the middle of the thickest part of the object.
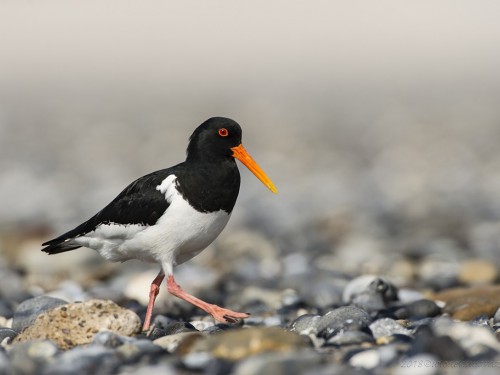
(153, 292)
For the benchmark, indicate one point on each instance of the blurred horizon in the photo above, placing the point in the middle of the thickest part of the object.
(374, 106)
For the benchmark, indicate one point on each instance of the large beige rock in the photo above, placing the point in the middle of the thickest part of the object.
(77, 323)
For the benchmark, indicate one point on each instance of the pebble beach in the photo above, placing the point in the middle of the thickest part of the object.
(380, 253)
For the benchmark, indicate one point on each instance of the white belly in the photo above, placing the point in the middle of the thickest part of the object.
(180, 234)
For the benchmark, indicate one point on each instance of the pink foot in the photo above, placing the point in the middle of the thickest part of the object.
(219, 313)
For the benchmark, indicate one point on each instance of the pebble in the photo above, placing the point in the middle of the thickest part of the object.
(387, 327)
(77, 323)
(306, 324)
(496, 317)
(350, 338)
(84, 360)
(30, 357)
(172, 342)
(237, 344)
(419, 309)
(470, 302)
(28, 310)
(369, 292)
(6, 335)
(477, 272)
(345, 318)
(292, 363)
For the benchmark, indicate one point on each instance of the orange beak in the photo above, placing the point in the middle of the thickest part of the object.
(242, 155)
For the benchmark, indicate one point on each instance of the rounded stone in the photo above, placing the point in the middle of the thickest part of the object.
(77, 323)
(423, 308)
(305, 324)
(370, 292)
(345, 318)
(237, 344)
(388, 327)
(86, 360)
(496, 317)
(477, 271)
(350, 338)
(7, 333)
(28, 310)
(30, 357)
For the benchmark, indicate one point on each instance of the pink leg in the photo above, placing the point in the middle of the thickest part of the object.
(153, 292)
(219, 313)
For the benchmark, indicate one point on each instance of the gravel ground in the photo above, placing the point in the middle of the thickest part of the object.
(380, 128)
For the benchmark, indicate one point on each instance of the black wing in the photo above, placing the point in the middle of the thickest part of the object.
(138, 203)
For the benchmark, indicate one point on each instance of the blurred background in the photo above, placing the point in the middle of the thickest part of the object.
(379, 122)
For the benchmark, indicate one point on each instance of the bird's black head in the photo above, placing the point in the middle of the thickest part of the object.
(218, 141)
(214, 139)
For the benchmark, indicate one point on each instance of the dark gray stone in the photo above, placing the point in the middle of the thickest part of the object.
(306, 324)
(371, 293)
(418, 309)
(7, 333)
(28, 310)
(346, 318)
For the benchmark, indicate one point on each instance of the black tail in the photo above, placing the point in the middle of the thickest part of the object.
(59, 245)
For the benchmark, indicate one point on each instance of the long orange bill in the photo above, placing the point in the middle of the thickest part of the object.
(242, 155)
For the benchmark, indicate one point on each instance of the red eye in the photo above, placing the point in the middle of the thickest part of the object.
(223, 132)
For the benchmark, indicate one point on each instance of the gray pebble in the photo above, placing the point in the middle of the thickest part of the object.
(110, 339)
(28, 310)
(84, 360)
(7, 333)
(346, 318)
(388, 327)
(279, 363)
(30, 357)
(418, 309)
(371, 293)
(4, 363)
(496, 318)
(350, 338)
(140, 350)
(305, 324)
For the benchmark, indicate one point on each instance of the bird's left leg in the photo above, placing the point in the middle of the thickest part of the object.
(219, 313)
(153, 292)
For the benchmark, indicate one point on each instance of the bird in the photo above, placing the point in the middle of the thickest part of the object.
(169, 216)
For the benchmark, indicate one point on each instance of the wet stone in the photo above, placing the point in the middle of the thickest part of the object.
(346, 318)
(27, 311)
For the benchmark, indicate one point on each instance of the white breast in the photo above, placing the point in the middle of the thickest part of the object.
(179, 234)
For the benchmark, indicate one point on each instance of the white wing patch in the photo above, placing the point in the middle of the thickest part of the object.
(167, 187)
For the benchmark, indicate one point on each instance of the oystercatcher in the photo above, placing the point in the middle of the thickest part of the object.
(171, 215)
